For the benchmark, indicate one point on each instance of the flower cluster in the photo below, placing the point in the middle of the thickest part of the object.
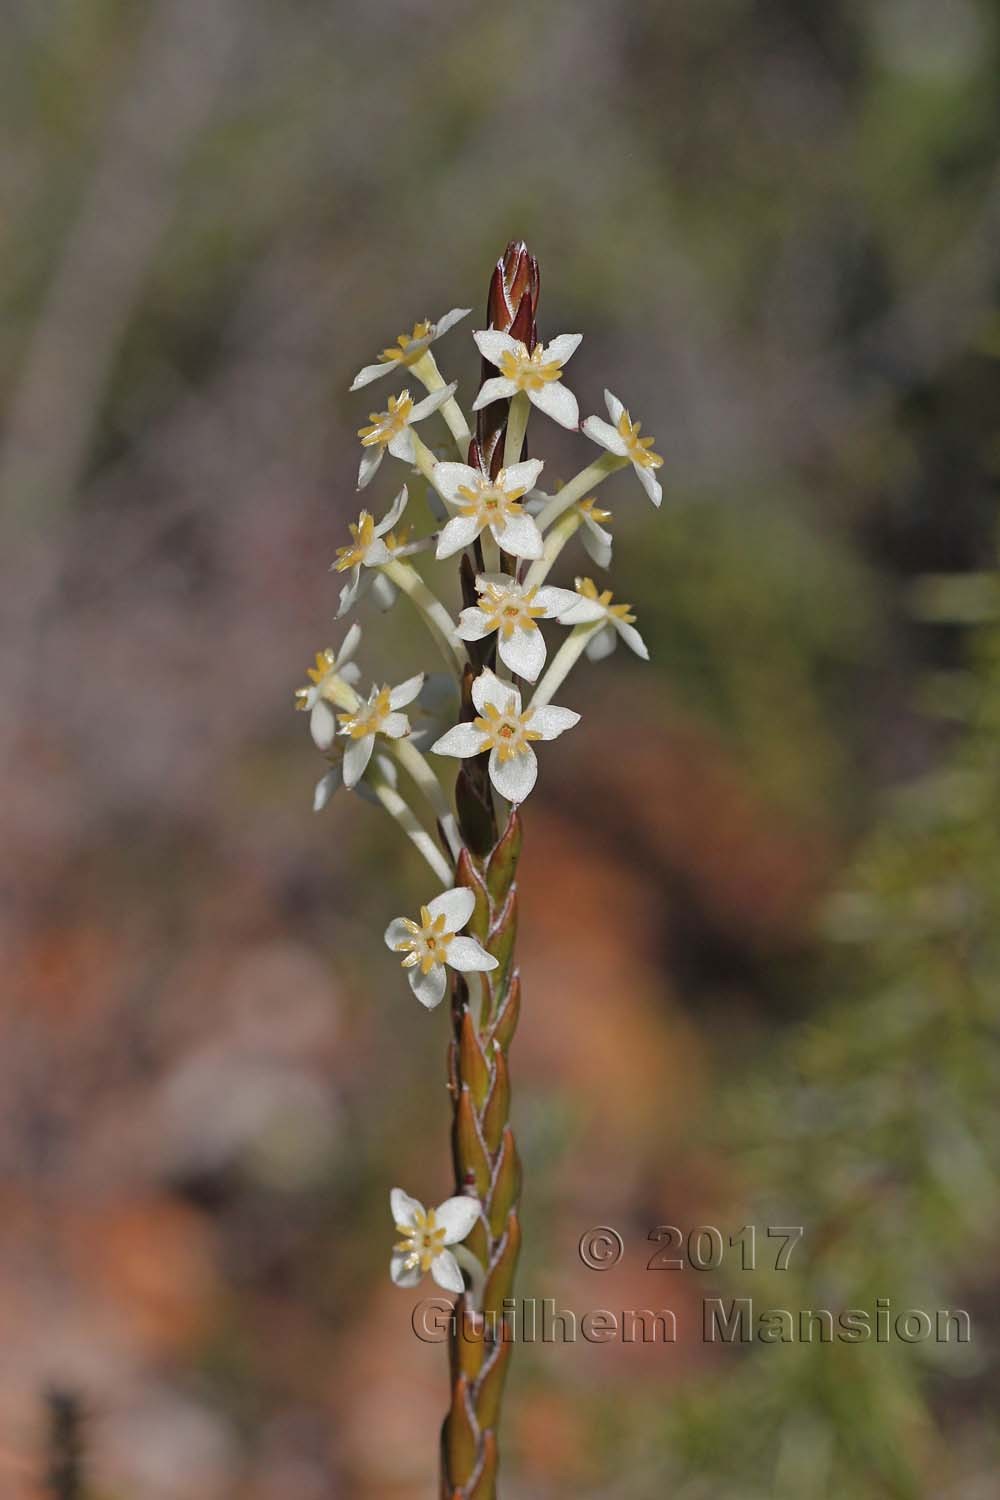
(512, 533)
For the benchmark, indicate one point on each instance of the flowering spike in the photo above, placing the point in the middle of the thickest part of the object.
(467, 874)
(460, 1434)
(506, 1183)
(472, 1062)
(501, 1277)
(485, 1486)
(507, 1018)
(503, 935)
(491, 1386)
(503, 860)
(498, 1104)
(471, 1160)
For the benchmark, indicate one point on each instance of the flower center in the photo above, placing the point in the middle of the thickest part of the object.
(588, 588)
(508, 610)
(427, 943)
(385, 425)
(505, 731)
(326, 661)
(406, 353)
(490, 502)
(592, 511)
(369, 718)
(362, 536)
(529, 372)
(640, 449)
(422, 1241)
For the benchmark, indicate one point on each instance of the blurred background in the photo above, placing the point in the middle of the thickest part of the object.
(760, 928)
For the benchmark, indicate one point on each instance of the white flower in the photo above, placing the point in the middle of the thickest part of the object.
(506, 732)
(623, 440)
(333, 779)
(379, 715)
(597, 540)
(510, 609)
(391, 429)
(313, 699)
(483, 502)
(369, 548)
(425, 1233)
(538, 374)
(409, 347)
(431, 943)
(589, 606)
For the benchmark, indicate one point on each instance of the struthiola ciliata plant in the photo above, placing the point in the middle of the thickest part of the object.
(504, 535)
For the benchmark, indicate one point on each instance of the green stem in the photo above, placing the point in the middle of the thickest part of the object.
(517, 426)
(567, 526)
(427, 372)
(419, 770)
(435, 616)
(564, 661)
(400, 810)
(587, 479)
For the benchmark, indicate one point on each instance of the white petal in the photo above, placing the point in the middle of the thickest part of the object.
(632, 639)
(356, 757)
(584, 612)
(464, 740)
(370, 460)
(497, 389)
(523, 652)
(488, 688)
(370, 373)
(449, 320)
(520, 536)
(401, 446)
(397, 932)
(450, 478)
(602, 432)
(515, 778)
(353, 590)
(499, 580)
(322, 724)
(395, 726)
(492, 344)
(376, 553)
(428, 988)
(393, 514)
(351, 642)
(601, 645)
(384, 591)
(614, 406)
(401, 1273)
(456, 905)
(562, 347)
(649, 482)
(558, 402)
(406, 691)
(473, 625)
(597, 543)
(405, 1210)
(460, 532)
(465, 954)
(523, 476)
(456, 1216)
(553, 600)
(351, 673)
(550, 722)
(326, 786)
(432, 401)
(444, 1269)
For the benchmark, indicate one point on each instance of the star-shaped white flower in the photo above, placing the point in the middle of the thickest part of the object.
(379, 715)
(432, 943)
(312, 699)
(597, 540)
(507, 732)
(391, 429)
(590, 605)
(409, 347)
(538, 374)
(482, 502)
(370, 546)
(624, 441)
(425, 1235)
(510, 609)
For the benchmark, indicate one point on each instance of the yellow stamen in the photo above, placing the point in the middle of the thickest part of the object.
(369, 718)
(362, 536)
(529, 372)
(402, 353)
(428, 943)
(639, 449)
(385, 425)
(421, 1242)
(505, 731)
(591, 509)
(588, 588)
